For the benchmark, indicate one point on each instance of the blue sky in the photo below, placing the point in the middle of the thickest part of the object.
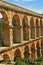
(34, 5)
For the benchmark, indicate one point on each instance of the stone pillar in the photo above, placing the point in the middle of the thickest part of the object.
(11, 28)
(35, 26)
(39, 32)
(21, 35)
(35, 32)
(21, 29)
(30, 50)
(11, 35)
(40, 47)
(29, 33)
(35, 50)
(29, 28)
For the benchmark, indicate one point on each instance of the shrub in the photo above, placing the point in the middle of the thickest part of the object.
(20, 62)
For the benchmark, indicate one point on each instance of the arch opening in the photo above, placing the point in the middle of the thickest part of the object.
(17, 55)
(42, 46)
(26, 52)
(1, 30)
(25, 29)
(32, 29)
(38, 49)
(33, 50)
(4, 29)
(6, 57)
(16, 29)
(37, 28)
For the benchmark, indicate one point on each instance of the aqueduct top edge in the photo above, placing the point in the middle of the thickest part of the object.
(16, 8)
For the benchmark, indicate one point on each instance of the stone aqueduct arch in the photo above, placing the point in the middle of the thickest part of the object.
(17, 54)
(42, 47)
(6, 57)
(33, 50)
(26, 52)
(7, 28)
(16, 29)
(5, 16)
(25, 28)
(37, 28)
(32, 28)
(9, 12)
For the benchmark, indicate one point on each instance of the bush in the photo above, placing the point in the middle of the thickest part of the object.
(20, 62)
(39, 59)
(30, 61)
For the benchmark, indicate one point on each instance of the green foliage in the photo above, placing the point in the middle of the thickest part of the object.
(20, 62)
(39, 59)
(27, 61)
(30, 61)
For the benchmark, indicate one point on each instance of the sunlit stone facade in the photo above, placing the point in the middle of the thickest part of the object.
(23, 32)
